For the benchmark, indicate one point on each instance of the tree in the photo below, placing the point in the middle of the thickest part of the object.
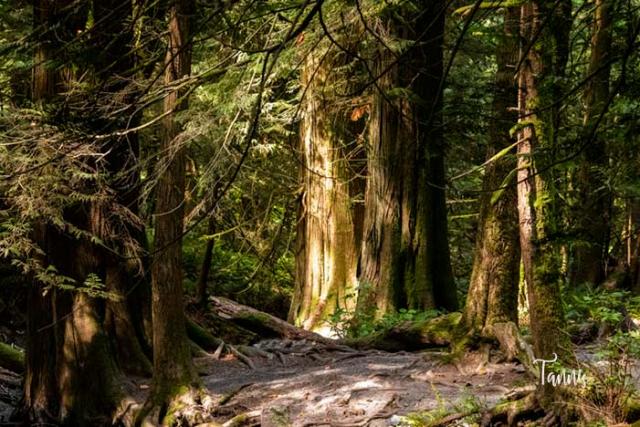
(405, 253)
(593, 193)
(174, 376)
(327, 257)
(72, 375)
(537, 212)
(493, 290)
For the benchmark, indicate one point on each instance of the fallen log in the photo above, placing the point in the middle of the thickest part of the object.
(263, 324)
(412, 335)
(11, 358)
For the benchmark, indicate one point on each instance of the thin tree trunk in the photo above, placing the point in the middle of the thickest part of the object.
(594, 197)
(206, 265)
(173, 370)
(326, 275)
(40, 399)
(493, 290)
(537, 214)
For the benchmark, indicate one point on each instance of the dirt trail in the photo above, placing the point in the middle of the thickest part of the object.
(306, 386)
(350, 389)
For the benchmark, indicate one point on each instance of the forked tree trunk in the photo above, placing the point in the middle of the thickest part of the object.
(173, 371)
(537, 214)
(593, 207)
(493, 290)
(326, 257)
(405, 252)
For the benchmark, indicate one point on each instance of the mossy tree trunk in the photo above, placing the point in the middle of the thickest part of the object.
(326, 257)
(405, 252)
(173, 371)
(593, 206)
(493, 290)
(537, 211)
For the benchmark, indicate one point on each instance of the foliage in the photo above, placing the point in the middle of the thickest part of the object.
(611, 383)
(600, 306)
(364, 321)
(468, 403)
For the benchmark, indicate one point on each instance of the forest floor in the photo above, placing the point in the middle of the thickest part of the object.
(297, 384)
(370, 388)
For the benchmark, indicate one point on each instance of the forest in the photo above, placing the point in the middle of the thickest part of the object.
(226, 213)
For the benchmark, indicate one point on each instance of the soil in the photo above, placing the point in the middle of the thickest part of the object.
(336, 388)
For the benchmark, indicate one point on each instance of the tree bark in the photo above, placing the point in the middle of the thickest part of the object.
(593, 207)
(493, 289)
(71, 376)
(405, 251)
(40, 401)
(327, 259)
(203, 279)
(124, 277)
(173, 371)
(537, 214)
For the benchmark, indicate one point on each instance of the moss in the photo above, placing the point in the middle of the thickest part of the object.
(633, 412)
(414, 335)
(201, 336)
(11, 358)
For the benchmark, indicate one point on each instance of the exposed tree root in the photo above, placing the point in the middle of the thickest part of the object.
(189, 406)
(246, 360)
(513, 345)
(441, 331)
(243, 420)
(511, 412)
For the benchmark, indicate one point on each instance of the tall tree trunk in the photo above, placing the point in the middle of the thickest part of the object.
(71, 376)
(405, 251)
(537, 214)
(173, 371)
(493, 290)
(40, 399)
(116, 112)
(594, 198)
(326, 269)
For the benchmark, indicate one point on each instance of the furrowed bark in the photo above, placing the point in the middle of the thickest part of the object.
(537, 212)
(405, 253)
(174, 375)
(493, 290)
(326, 265)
